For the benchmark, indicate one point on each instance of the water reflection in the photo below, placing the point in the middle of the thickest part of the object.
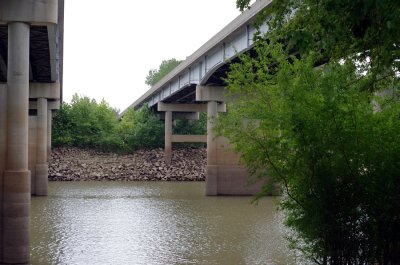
(152, 223)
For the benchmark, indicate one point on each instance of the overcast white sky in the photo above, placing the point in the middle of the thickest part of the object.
(109, 46)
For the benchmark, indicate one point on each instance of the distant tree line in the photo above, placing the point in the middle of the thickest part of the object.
(86, 123)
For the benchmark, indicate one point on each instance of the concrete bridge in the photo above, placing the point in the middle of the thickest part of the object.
(196, 86)
(31, 55)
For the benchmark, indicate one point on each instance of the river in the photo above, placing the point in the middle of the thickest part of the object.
(153, 223)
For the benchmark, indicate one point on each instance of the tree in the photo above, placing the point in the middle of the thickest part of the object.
(85, 123)
(62, 127)
(165, 67)
(327, 134)
(337, 29)
(197, 127)
(141, 129)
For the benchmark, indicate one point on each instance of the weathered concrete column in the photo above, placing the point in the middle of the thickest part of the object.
(49, 127)
(212, 167)
(3, 145)
(41, 149)
(15, 202)
(168, 137)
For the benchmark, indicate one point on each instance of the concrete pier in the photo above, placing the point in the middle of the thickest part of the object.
(224, 174)
(15, 203)
(212, 167)
(41, 149)
(3, 148)
(168, 137)
(49, 126)
(24, 108)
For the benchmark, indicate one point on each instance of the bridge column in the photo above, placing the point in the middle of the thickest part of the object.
(3, 148)
(212, 167)
(41, 168)
(168, 137)
(224, 174)
(15, 201)
(49, 126)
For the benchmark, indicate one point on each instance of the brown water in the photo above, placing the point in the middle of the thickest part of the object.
(153, 223)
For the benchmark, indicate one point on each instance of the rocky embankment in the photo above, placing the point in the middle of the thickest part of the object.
(73, 164)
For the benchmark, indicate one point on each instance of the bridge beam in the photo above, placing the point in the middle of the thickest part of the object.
(178, 107)
(181, 115)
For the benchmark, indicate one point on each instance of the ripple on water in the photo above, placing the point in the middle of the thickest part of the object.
(152, 223)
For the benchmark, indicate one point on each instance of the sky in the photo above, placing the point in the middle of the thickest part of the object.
(109, 49)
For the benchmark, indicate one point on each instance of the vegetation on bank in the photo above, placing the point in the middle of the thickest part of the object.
(85, 123)
(321, 101)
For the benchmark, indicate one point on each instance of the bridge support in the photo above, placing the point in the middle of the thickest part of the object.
(49, 126)
(41, 169)
(183, 111)
(168, 137)
(224, 174)
(39, 134)
(15, 177)
(15, 156)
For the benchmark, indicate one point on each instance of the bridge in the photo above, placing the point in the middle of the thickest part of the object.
(31, 72)
(196, 85)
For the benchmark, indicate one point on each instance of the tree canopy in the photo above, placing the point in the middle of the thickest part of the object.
(87, 124)
(316, 109)
(165, 67)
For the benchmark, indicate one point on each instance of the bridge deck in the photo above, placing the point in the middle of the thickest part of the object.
(208, 63)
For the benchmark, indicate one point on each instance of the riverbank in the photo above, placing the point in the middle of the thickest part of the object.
(74, 164)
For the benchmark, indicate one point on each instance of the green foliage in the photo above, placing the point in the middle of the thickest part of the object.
(165, 67)
(141, 129)
(191, 127)
(62, 127)
(316, 131)
(242, 4)
(328, 135)
(196, 127)
(337, 29)
(85, 123)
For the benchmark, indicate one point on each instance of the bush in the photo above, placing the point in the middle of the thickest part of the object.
(141, 129)
(85, 123)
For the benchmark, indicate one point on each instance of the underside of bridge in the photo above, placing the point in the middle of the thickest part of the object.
(31, 44)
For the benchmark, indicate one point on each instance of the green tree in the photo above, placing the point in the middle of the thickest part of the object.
(62, 127)
(328, 134)
(87, 124)
(191, 127)
(141, 129)
(165, 67)
(364, 30)
(196, 127)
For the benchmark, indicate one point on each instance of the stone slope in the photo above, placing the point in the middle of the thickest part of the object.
(74, 164)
